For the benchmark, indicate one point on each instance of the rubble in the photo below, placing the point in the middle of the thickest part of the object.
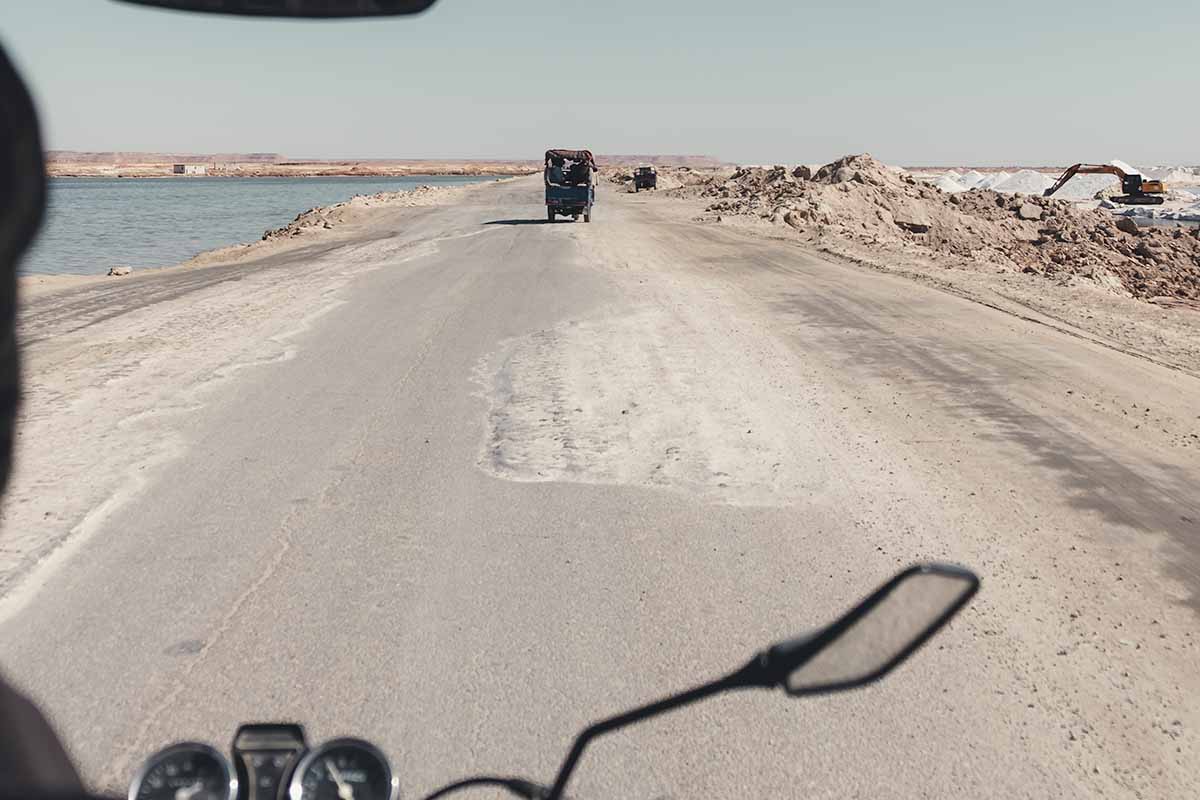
(861, 199)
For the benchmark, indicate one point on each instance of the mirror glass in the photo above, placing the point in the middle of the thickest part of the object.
(913, 608)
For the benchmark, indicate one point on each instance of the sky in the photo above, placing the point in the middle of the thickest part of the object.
(933, 82)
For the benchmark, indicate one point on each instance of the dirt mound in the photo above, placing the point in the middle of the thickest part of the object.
(859, 198)
(617, 175)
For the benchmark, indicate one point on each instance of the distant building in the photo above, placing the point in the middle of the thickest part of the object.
(190, 169)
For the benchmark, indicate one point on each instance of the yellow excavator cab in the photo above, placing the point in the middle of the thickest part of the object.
(1154, 187)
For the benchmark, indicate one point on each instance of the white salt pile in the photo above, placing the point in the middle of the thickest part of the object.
(1026, 181)
(1080, 187)
(1085, 187)
(972, 179)
(991, 181)
(951, 181)
(1121, 165)
(949, 184)
(1172, 175)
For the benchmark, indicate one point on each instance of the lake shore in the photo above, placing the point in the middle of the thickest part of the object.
(324, 225)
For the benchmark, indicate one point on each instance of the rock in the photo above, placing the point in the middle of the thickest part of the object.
(1029, 211)
(802, 172)
(911, 217)
(119, 271)
(1127, 225)
(794, 219)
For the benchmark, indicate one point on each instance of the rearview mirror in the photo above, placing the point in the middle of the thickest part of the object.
(295, 8)
(877, 634)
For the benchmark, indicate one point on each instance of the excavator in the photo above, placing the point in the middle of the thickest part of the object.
(1138, 191)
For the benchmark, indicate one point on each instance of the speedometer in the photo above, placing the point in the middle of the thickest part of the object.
(344, 769)
(185, 771)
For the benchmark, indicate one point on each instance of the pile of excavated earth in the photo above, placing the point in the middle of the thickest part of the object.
(858, 198)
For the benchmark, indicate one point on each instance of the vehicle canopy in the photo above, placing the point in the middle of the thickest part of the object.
(644, 171)
(569, 167)
(559, 156)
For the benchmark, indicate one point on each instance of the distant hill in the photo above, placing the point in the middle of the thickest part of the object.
(134, 157)
(133, 164)
(121, 158)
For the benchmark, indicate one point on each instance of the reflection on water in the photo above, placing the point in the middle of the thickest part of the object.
(96, 223)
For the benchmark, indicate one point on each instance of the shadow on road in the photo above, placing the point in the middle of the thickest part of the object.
(525, 222)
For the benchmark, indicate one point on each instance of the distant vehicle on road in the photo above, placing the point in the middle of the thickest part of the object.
(645, 178)
(570, 189)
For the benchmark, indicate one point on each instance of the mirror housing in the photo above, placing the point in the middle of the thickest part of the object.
(319, 9)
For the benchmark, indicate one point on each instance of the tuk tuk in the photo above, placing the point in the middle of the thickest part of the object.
(570, 188)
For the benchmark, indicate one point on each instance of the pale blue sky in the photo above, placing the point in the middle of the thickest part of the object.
(912, 81)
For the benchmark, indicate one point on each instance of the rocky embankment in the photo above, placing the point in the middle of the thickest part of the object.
(327, 217)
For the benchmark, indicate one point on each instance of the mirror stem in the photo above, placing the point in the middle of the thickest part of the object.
(753, 675)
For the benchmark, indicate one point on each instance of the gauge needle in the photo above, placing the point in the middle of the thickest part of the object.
(188, 792)
(345, 790)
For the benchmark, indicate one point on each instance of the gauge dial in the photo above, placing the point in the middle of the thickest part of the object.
(185, 771)
(344, 769)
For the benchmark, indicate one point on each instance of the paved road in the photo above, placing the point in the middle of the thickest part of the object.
(467, 481)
